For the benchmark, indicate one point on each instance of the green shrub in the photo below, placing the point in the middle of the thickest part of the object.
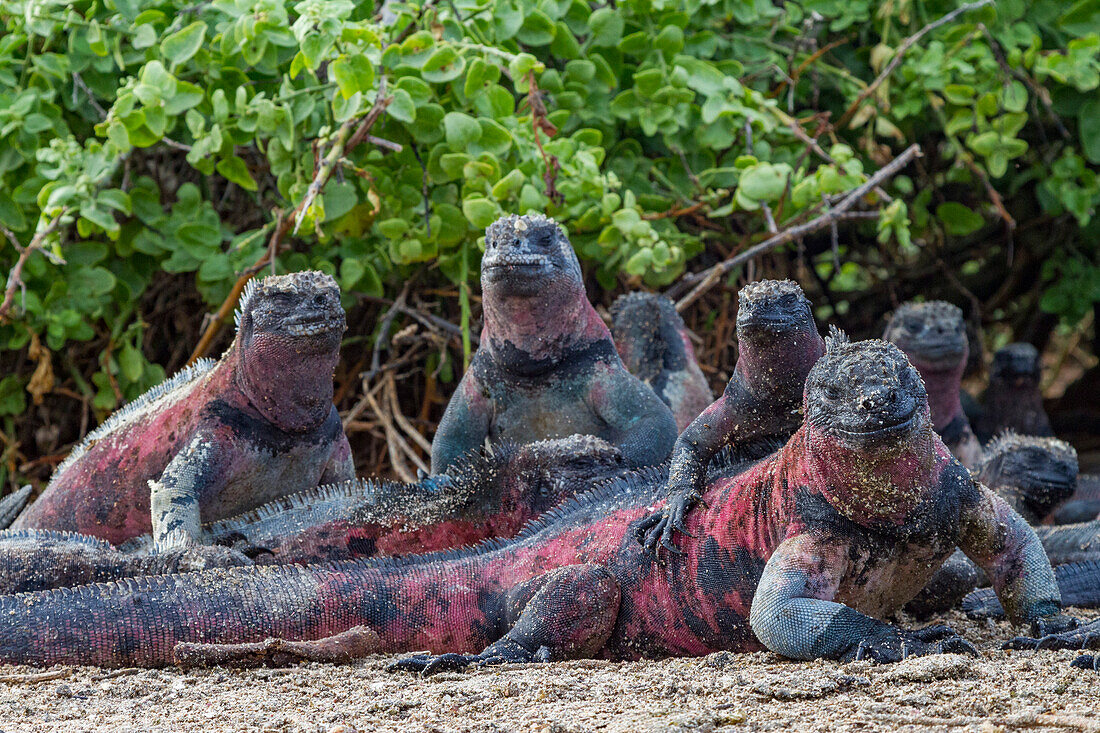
(173, 136)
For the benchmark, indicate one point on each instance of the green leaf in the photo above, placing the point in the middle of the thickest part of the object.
(184, 43)
(606, 26)
(957, 219)
(401, 107)
(461, 129)
(480, 212)
(353, 74)
(1088, 127)
(131, 363)
(13, 400)
(236, 170)
(443, 65)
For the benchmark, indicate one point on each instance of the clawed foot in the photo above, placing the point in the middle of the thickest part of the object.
(502, 652)
(1086, 661)
(937, 639)
(1059, 632)
(658, 528)
(355, 643)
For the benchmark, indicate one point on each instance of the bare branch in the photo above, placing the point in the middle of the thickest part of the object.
(709, 277)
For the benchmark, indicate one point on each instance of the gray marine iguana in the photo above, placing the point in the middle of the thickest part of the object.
(490, 493)
(933, 335)
(546, 366)
(1012, 401)
(654, 344)
(778, 343)
(801, 552)
(219, 437)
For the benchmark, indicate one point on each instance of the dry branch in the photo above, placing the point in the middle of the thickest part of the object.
(709, 277)
(15, 277)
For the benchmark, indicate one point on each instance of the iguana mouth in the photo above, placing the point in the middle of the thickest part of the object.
(516, 261)
(311, 325)
(887, 430)
(771, 323)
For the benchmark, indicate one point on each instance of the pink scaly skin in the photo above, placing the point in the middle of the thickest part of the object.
(220, 438)
(933, 335)
(546, 366)
(655, 346)
(778, 344)
(798, 553)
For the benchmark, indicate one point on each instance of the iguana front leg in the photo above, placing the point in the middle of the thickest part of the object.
(566, 613)
(699, 442)
(340, 466)
(465, 424)
(793, 614)
(1002, 544)
(641, 426)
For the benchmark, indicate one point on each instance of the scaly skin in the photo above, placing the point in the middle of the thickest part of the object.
(483, 495)
(220, 438)
(933, 336)
(800, 552)
(1079, 584)
(778, 343)
(655, 346)
(546, 366)
(1013, 400)
(1031, 474)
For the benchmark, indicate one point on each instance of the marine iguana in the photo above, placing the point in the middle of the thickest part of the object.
(1084, 505)
(1013, 400)
(778, 343)
(933, 335)
(546, 366)
(491, 493)
(799, 552)
(653, 343)
(219, 437)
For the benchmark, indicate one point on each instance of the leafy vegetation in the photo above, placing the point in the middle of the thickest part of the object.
(142, 138)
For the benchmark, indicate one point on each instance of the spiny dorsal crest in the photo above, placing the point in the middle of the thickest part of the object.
(836, 339)
(293, 282)
(1009, 441)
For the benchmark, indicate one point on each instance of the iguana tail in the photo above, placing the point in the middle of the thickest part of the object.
(1078, 582)
(1070, 543)
(139, 621)
(12, 505)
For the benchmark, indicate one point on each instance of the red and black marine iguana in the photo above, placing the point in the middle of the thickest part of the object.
(546, 366)
(802, 552)
(218, 438)
(778, 343)
(933, 335)
(655, 346)
(493, 493)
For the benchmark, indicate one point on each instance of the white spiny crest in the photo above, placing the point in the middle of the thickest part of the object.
(835, 339)
(245, 302)
(151, 401)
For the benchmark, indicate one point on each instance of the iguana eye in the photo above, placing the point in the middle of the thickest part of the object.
(832, 392)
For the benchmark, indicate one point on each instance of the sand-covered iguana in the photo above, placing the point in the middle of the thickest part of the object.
(546, 366)
(1013, 400)
(220, 437)
(778, 343)
(802, 552)
(933, 335)
(654, 344)
(491, 493)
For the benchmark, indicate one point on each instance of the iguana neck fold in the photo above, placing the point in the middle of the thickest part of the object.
(531, 335)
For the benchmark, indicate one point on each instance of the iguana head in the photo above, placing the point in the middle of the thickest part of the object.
(932, 334)
(775, 329)
(869, 436)
(865, 394)
(533, 296)
(1042, 471)
(1016, 365)
(288, 342)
